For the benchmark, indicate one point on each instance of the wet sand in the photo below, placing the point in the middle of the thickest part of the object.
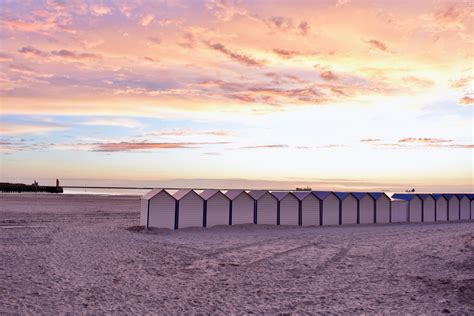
(77, 254)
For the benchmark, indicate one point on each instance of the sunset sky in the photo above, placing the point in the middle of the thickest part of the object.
(334, 94)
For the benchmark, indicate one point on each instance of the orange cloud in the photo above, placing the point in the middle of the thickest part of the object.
(424, 140)
(466, 100)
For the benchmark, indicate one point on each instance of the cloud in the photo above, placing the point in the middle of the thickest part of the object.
(304, 28)
(68, 54)
(328, 76)
(19, 129)
(450, 17)
(342, 2)
(462, 83)
(264, 146)
(138, 146)
(466, 100)
(189, 41)
(119, 122)
(367, 140)
(154, 40)
(225, 10)
(419, 82)
(246, 60)
(189, 132)
(281, 23)
(99, 9)
(286, 53)
(424, 140)
(147, 19)
(377, 45)
(30, 51)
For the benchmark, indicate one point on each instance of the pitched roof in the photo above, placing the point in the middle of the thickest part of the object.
(448, 196)
(404, 196)
(438, 196)
(341, 195)
(470, 196)
(376, 195)
(233, 194)
(256, 194)
(359, 195)
(207, 194)
(280, 195)
(321, 194)
(301, 195)
(151, 194)
(182, 193)
(425, 196)
(460, 195)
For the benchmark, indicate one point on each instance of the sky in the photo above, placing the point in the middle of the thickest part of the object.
(330, 94)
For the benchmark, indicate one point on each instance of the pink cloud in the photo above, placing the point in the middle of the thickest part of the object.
(328, 76)
(378, 45)
(243, 59)
(134, 146)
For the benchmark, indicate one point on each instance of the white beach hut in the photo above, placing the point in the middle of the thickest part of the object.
(453, 207)
(216, 208)
(366, 207)
(158, 209)
(330, 208)
(428, 205)
(414, 206)
(465, 205)
(309, 206)
(399, 209)
(441, 207)
(266, 206)
(348, 208)
(288, 209)
(382, 207)
(190, 209)
(241, 209)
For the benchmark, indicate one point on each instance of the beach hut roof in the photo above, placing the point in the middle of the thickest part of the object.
(359, 195)
(182, 193)
(233, 194)
(207, 194)
(152, 193)
(438, 196)
(424, 196)
(403, 196)
(341, 195)
(280, 195)
(376, 195)
(301, 195)
(256, 194)
(470, 196)
(448, 196)
(321, 194)
(460, 195)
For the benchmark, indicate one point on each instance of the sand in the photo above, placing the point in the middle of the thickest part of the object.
(74, 254)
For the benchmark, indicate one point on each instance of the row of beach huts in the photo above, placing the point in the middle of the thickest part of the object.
(206, 208)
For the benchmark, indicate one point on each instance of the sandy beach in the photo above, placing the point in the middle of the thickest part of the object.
(80, 254)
